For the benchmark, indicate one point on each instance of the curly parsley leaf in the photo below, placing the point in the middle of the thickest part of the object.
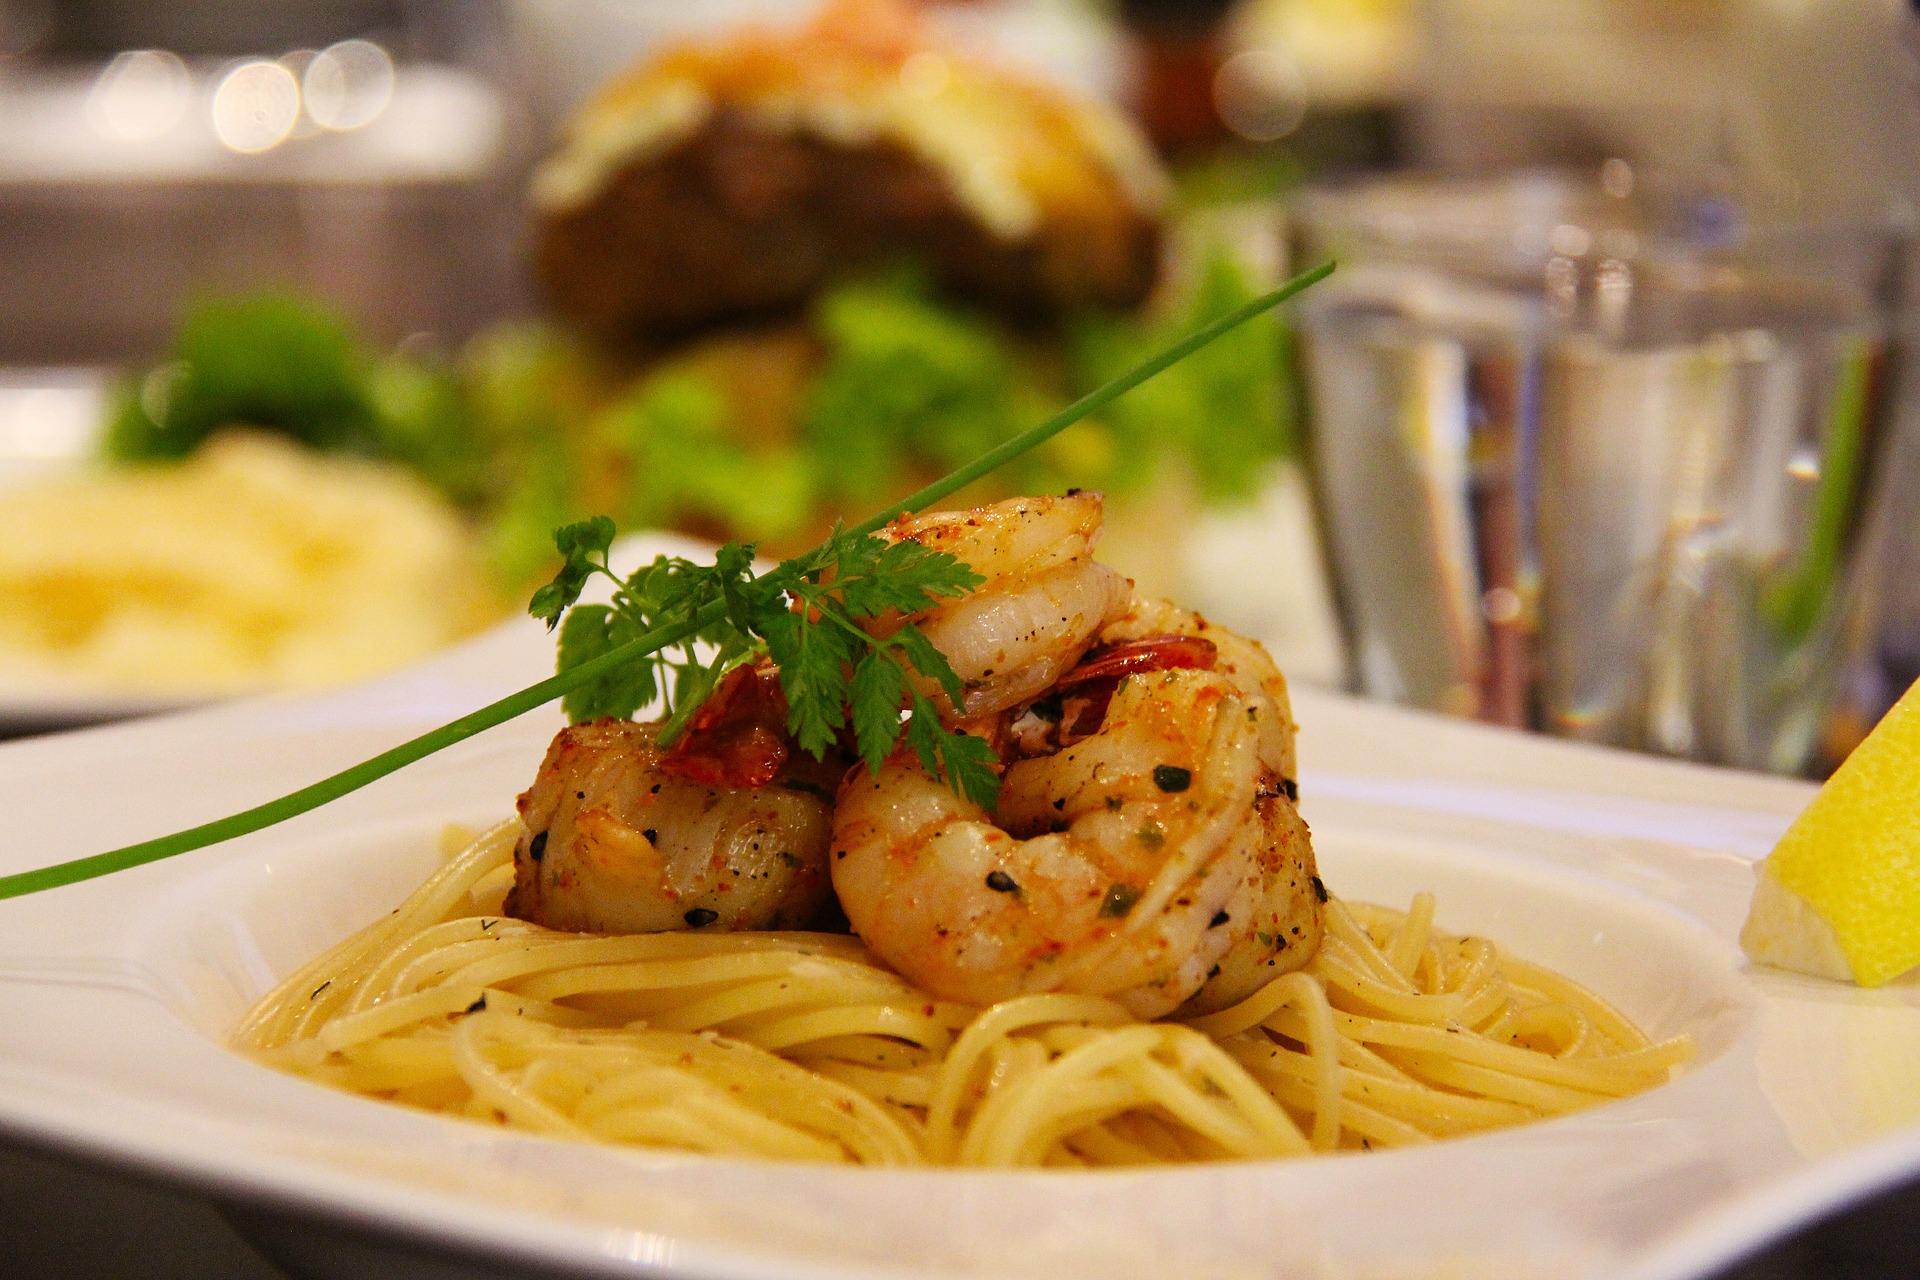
(814, 620)
(930, 661)
(874, 576)
(862, 577)
(583, 548)
(875, 694)
(591, 537)
(746, 599)
(591, 630)
(969, 764)
(813, 660)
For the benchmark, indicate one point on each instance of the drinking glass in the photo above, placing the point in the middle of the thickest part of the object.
(1596, 459)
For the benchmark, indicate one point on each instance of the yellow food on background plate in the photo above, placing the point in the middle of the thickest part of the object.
(255, 564)
(1839, 896)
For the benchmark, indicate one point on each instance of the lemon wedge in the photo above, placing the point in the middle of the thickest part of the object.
(1839, 896)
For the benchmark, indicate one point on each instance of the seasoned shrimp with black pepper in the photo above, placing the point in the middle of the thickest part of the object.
(1124, 865)
(1274, 920)
(727, 828)
(1043, 601)
(1145, 845)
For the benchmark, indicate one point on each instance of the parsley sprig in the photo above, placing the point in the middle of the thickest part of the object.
(806, 616)
(665, 636)
(667, 593)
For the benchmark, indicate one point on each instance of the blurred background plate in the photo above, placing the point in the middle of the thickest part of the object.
(41, 706)
(1615, 352)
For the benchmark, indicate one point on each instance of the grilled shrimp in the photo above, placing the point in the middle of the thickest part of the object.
(1043, 601)
(1113, 868)
(725, 829)
(1273, 921)
(1245, 661)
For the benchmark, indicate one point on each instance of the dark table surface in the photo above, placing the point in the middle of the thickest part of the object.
(66, 1221)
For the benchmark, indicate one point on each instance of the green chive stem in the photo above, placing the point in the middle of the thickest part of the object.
(352, 779)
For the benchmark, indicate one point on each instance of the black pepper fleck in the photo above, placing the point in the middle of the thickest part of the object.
(1001, 882)
(1171, 777)
(537, 847)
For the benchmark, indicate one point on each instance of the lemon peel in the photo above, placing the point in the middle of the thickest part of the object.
(1839, 896)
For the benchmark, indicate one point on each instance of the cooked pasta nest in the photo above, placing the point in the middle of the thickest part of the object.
(803, 1047)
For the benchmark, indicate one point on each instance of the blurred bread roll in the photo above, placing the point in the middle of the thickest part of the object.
(731, 177)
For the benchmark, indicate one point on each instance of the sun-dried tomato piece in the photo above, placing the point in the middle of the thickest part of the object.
(1075, 707)
(1134, 657)
(738, 736)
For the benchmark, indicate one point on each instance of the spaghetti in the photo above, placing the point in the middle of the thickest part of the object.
(801, 1046)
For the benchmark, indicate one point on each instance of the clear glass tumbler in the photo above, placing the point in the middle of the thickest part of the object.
(1598, 460)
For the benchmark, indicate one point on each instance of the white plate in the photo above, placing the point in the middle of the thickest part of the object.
(1630, 874)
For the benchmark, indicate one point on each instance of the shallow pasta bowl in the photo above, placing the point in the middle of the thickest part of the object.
(1629, 875)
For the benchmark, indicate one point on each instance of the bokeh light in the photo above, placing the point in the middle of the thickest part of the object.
(256, 107)
(348, 84)
(1260, 95)
(139, 95)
